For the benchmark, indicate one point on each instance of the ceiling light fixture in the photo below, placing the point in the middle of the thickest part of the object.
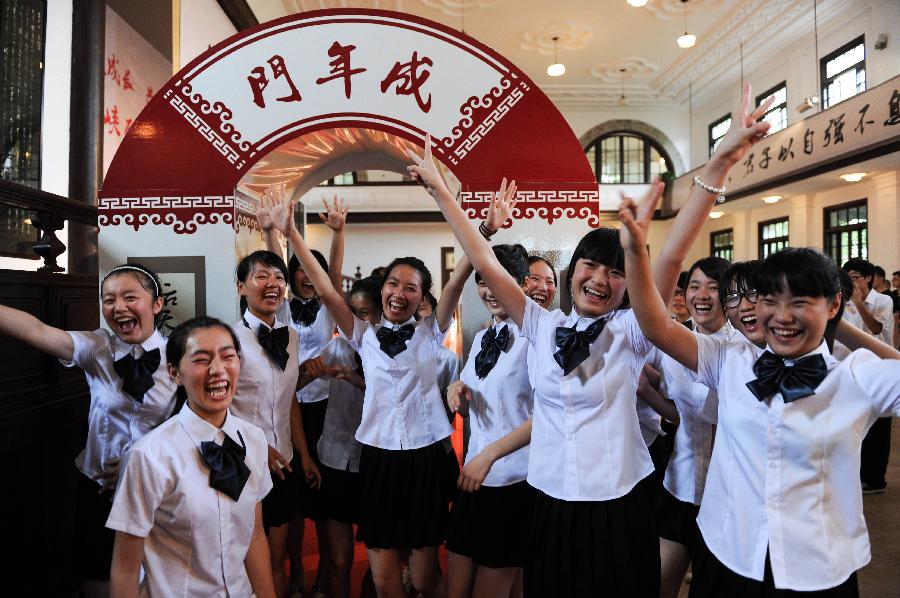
(771, 199)
(557, 68)
(622, 101)
(637, 3)
(688, 39)
(715, 214)
(853, 177)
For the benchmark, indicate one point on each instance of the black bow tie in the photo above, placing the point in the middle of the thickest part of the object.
(689, 324)
(793, 382)
(393, 342)
(492, 344)
(304, 313)
(359, 368)
(227, 471)
(274, 343)
(137, 374)
(574, 347)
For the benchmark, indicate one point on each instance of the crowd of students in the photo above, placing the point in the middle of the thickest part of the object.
(206, 448)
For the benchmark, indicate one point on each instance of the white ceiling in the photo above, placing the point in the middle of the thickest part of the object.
(597, 38)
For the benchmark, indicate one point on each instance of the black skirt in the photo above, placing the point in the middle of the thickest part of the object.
(676, 521)
(712, 579)
(593, 549)
(341, 492)
(491, 525)
(281, 504)
(93, 540)
(405, 496)
(313, 414)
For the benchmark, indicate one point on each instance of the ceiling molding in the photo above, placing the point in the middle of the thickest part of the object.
(631, 68)
(572, 36)
(604, 95)
(667, 10)
(239, 13)
(455, 8)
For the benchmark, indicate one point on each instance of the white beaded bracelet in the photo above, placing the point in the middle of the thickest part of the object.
(719, 192)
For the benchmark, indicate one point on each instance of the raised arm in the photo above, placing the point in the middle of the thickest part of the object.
(25, 327)
(335, 217)
(742, 134)
(854, 338)
(671, 337)
(331, 297)
(505, 288)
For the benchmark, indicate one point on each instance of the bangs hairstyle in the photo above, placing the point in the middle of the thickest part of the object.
(683, 280)
(601, 245)
(533, 259)
(713, 267)
(514, 260)
(740, 275)
(803, 271)
(146, 277)
(177, 345)
(416, 264)
(370, 289)
(294, 265)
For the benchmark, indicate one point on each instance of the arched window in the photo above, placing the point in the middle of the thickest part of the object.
(627, 158)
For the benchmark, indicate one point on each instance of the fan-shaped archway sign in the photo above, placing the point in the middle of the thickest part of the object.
(168, 198)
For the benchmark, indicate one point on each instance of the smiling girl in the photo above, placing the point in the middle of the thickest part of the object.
(782, 509)
(131, 393)
(188, 509)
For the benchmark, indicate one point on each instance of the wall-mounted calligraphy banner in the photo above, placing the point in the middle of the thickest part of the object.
(869, 121)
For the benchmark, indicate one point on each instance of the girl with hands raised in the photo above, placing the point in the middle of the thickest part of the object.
(486, 537)
(404, 467)
(592, 532)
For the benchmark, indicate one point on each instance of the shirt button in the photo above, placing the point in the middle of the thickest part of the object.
(571, 438)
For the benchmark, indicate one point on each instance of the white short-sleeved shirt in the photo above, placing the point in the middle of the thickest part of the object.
(501, 402)
(686, 472)
(115, 420)
(586, 442)
(196, 538)
(338, 447)
(313, 339)
(403, 408)
(264, 392)
(784, 478)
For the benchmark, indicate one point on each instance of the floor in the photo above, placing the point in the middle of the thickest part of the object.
(878, 580)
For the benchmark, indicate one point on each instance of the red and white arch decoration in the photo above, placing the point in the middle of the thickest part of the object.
(175, 173)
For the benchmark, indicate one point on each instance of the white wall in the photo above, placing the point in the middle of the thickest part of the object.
(203, 24)
(54, 117)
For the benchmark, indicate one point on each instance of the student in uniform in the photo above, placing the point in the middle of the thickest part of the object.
(339, 451)
(315, 329)
(782, 508)
(265, 391)
(404, 466)
(188, 508)
(486, 537)
(685, 476)
(592, 533)
(131, 393)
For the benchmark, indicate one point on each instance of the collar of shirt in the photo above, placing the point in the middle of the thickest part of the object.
(201, 430)
(393, 326)
(255, 322)
(871, 297)
(513, 329)
(579, 322)
(822, 350)
(121, 348)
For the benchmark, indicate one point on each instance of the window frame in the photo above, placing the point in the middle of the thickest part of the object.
(649, 144)
(729, 248)
(826, 229)
(764, 243)
(774, 107)
(823, 63)
(712, 126)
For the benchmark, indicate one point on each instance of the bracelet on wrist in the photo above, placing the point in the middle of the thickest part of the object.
(486, 231)
(719, 192)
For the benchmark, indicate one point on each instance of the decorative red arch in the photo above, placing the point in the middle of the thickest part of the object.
(169, 195)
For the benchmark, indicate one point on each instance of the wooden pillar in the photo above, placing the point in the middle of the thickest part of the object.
(86, 128)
